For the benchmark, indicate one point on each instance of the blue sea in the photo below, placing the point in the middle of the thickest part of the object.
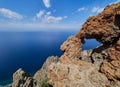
(29, 50)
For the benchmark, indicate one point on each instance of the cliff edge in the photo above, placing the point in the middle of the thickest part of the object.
(102, 67)
(99, 67)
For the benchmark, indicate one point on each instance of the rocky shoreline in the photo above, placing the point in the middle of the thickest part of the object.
(99, 67)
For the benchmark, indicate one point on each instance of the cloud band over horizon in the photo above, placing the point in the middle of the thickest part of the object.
(52, 15)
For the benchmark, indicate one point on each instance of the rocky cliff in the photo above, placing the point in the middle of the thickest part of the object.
(40, 79)
(99, 67)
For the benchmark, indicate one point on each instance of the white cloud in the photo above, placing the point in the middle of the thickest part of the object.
(81, 9)
(48, 13)
(43, 21)
(47, 3)
(10, 14)
(40, 14)
(97, 9)
(65, 17)
(52, 19)
(46, 17)
(33, 26)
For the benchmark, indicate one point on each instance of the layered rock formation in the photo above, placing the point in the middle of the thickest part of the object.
(77, 74)
(43, 72)
(23, 79)
(111, 66)
(102, 65)
(71, 49)
(105, 27)
(99, 67)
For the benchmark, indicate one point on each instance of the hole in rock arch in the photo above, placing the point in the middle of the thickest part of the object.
(90, 44)
(117, 21)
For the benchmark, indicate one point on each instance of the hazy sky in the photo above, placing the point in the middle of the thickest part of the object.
(32, 15)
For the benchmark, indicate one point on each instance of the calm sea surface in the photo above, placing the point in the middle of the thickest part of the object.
(29, 50)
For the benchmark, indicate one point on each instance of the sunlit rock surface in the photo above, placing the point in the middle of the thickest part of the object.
(99, 67)
(101, 64)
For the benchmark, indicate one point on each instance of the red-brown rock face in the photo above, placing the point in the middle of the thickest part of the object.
(111, 66)
(105, 28)
(99, 67)
(71, 49)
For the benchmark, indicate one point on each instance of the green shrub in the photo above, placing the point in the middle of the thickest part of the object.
(44, 82)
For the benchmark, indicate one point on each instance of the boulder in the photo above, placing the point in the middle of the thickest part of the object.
(23, 79)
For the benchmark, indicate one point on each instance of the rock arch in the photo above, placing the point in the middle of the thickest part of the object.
(105, 28)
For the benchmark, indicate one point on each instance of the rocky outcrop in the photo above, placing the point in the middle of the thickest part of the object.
(78, 74)
(111, 66)
(99, 67)
(40, 79)
(104, 27)
(71, 49)
(99, 54)
(22, 79)
(43, 72)
(101, 64)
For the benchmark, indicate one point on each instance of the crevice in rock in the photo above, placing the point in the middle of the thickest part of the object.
(117, 21)
(50, 85)
(99, 54)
